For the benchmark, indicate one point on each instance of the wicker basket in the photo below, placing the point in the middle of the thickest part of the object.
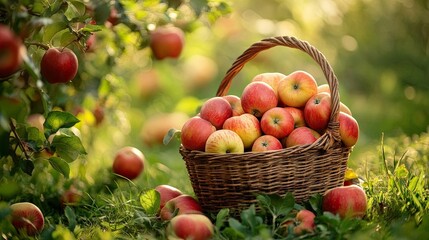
(232, 180)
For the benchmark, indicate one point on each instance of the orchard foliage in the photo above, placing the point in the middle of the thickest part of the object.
(98, 32)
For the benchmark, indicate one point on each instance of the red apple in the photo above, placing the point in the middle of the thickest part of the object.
(298, 116)
(349, 129)
(71, 196)
(235, 103)
(257, 98)
(195, 132)
(59, 65)
(317, 111)
(114, 17)
(346, 201)
(216, 110)
(266, 143)
(183, 204)
(295, 89)
(305, 222)
(166, 42)
(224, 141)
(10, 55)
(128, 162)
(277, 122)
(301, 136)
(166, 193)
(190, 226)
(27, 217)
(247, 126)
(272, 78)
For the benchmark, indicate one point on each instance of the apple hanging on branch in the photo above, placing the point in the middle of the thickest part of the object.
(166, 42)
(10, 56)
(59, 65)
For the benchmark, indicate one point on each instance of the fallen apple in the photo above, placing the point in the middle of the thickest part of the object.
(128, 162)
(166, 193)
(183, 204)
(190, 226)
(346, 201)
(27, 217)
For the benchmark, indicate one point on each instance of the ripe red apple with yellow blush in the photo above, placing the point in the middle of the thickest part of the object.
(166, 193)
(190, 226)
(298, 116)
(59, 65)
(257, 98)
(301, 136)
(224, 141)
(305, 222)
(346, 201)
(71, 196)
(271, 78)
(195, 133)
(277, 122)
(317, 111)
(324, 88)
(183, 204)
(247, 126)
(296, 88)
(235, 103)
(216, 110)
(266, 143)
(128, 162)
(166, 42)
(27, 217)
(349, 129)
(10, 51)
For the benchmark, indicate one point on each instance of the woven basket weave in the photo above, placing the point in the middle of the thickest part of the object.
(232, 180)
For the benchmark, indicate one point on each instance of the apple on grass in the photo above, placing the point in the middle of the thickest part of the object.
(295, 89)
(128, 162)
(277, 122)
(195, 133)
(257, 98)
(182, 204)
(27, 217)
(224, 141)
(247, 126)
(235, 103)
(298, 116)
(71, 196)
(266, 143)
(317, 111)
(216, 110)
(190, 226)
(166, 42)
(59, 65)
(349, 129)
(301, 136)
(166, 193)
(271, 78)
(346, 201)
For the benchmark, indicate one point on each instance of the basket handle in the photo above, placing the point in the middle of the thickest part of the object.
(292, 42)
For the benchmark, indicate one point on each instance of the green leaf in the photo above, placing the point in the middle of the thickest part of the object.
(57, 119)
(60, 165)
(52, 29)
(27, 167)
(170, 135)
(71, 217)
(221, 217)
(150, 201)
(275, 204)
(68, 147)
(35, 138)
(74, 10)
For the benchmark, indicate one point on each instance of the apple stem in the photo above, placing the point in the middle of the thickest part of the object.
(20, 144)
(44, 46)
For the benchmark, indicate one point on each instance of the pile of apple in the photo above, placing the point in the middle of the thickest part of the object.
(274, 111)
